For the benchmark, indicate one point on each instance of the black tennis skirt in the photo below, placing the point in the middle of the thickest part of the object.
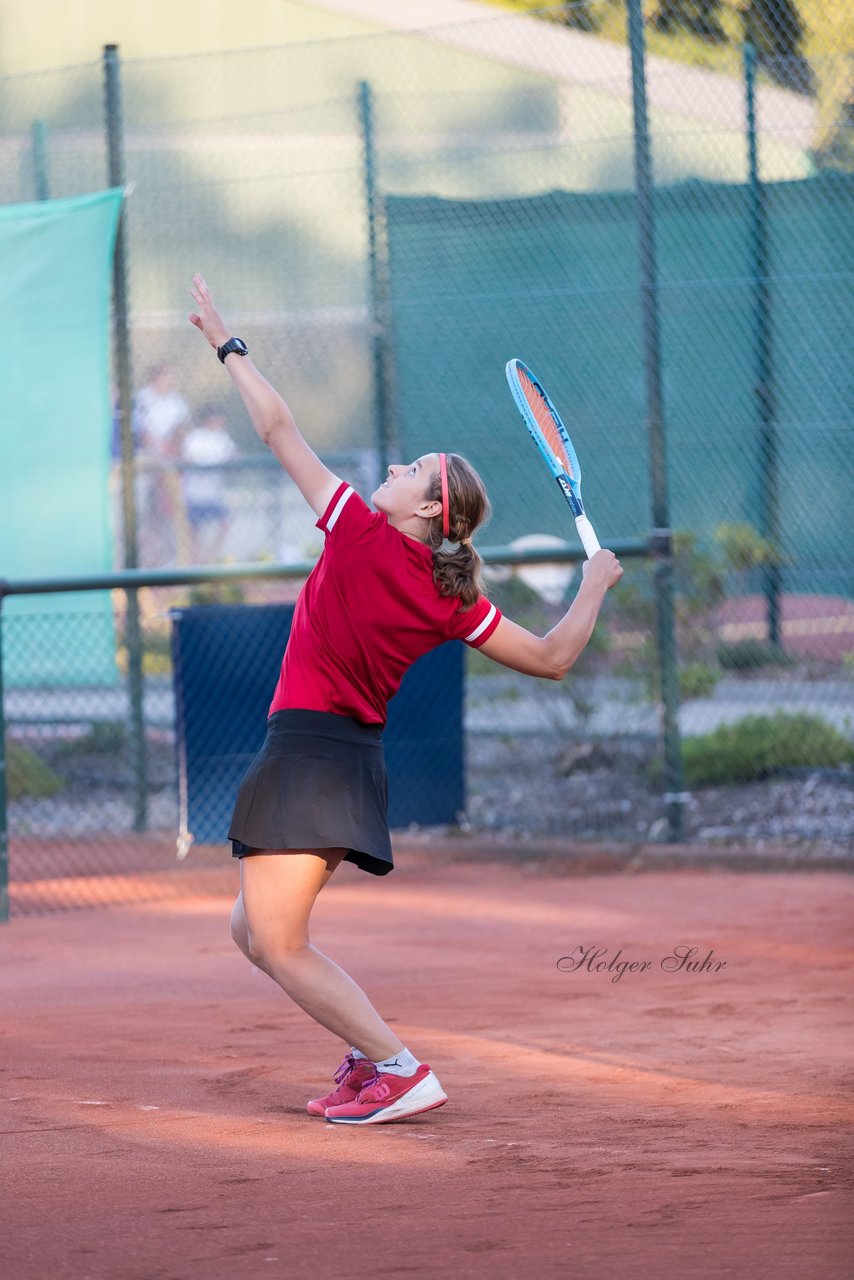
(318, 782)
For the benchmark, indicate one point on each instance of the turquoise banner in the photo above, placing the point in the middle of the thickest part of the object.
(55, 410)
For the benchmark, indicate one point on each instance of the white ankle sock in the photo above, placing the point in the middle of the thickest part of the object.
(357, 1053)
(400, 1064)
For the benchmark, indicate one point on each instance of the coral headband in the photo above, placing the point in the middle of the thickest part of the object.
(443, 469)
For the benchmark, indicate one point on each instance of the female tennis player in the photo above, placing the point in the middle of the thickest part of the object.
(387, 588)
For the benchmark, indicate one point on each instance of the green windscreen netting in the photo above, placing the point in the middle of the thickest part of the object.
(55, 439)
(553, 279)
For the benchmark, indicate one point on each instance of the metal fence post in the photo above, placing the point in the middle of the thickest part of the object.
(379, 302)
(4, 833)
(674, 797)
(39, 147)
(121, 346)
(764, 392)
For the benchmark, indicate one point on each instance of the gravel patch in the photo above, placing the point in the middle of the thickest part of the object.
(538, 787)
(98, 812)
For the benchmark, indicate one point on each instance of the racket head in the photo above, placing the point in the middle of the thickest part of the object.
(544, 423)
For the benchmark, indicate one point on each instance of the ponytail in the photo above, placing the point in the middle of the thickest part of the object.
(457, 569)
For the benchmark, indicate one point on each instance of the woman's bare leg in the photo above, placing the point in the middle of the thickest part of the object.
(278, 891)
(239, 927)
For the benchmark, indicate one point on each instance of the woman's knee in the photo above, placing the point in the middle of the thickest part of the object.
(239, 928)
(275, 950)
(278, 892)
(253, 949)
(265, 944)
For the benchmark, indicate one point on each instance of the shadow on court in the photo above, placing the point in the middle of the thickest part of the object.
(669, 1122)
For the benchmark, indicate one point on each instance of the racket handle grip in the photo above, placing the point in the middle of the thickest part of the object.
(587, 536)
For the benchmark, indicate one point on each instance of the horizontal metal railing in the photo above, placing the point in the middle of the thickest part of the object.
(131, 580)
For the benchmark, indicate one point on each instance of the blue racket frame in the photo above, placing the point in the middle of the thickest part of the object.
(570, 485)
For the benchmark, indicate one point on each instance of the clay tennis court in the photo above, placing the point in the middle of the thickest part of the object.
(668, 1123)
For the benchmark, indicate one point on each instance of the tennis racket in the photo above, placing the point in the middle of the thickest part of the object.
(543, 422)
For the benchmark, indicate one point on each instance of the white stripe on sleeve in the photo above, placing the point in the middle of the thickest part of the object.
(339, 507)
(477, 631)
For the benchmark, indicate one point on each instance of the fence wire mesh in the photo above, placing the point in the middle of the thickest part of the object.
(386, 220)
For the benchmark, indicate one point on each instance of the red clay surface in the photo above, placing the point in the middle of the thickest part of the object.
(667, 1124)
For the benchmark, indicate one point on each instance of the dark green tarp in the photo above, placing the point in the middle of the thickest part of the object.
(553, 280)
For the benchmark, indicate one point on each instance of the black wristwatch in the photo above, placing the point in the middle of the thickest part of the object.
(233, 344)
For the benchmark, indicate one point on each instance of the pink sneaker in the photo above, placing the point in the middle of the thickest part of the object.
(350, 1076)
(387, 1096)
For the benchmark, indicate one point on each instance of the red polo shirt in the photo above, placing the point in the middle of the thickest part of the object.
(367, 611)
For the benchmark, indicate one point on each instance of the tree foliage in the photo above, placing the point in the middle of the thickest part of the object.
(803, 45)
(777, 31)
(701, 17)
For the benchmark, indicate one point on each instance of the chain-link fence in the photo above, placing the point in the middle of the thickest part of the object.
(386, 220)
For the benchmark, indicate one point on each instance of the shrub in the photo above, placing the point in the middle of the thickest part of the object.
(104, 738)
(697, 680)
(747, 655)
(28, 775)
(154, 663)
(743, 548)
(757, 746)
(223, 592)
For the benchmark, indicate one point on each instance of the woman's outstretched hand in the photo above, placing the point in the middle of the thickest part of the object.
(207, 319)
(604, 568)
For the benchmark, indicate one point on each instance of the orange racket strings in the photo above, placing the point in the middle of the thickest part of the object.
(545, 422)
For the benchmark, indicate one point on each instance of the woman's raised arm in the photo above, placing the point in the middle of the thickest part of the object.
(270, 416)
(553, 654)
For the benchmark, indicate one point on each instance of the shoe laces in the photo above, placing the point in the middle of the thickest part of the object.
(371, 1081)
(346, 1067)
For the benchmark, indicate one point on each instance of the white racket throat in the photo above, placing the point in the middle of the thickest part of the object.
(587, 536)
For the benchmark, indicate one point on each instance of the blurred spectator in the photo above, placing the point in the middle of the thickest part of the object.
(208, 445)
(160, 413)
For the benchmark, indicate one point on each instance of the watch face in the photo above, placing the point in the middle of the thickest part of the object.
(235, 345)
